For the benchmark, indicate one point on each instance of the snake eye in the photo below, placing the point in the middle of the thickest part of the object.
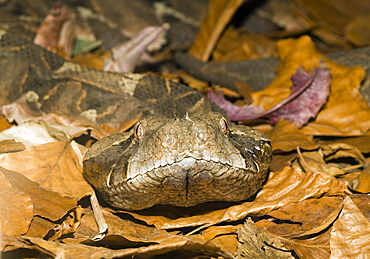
(223, 125)
(138, 131)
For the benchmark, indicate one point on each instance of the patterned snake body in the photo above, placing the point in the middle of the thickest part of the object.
(182, 151)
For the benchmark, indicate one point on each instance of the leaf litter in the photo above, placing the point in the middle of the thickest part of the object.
(305, 209)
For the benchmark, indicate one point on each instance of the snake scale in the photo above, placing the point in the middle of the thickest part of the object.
(182, 152)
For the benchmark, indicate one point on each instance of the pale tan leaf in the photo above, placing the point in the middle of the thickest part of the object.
(56, 166)
(16, 208)
(219, 14)
(350, 236)
(33, 133)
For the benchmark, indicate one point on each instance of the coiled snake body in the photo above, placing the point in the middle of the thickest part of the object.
(182, 152)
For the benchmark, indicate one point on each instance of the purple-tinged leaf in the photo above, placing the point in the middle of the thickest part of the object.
(127, 55)
(309, 94)
(309, 102)
(235, 113)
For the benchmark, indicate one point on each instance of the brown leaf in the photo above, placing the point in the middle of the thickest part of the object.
(10, 145)
(33, 133)
(39, 227)
(4, 124)
(341, 150)
(219, 14)
(46, 203)
(223, 237)
(235, 45)
(313, 247)
(56, 166)
(355, 29)
(350, 236)
(256, 243)
(303, 219)
(16, 207)
(362, 182)
(361, 142)
(314, 161)
(286, 137)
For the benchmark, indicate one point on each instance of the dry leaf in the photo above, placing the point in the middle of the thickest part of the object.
(357, 31)
(219, 14)
(16, 207)
(341, 150)
(33, 133)
(309, 102)
(236, 46)
(362, 182)
(10, 145)
(46, 203)
(56, 166)
(4, 124)
(314, 161)
(286, 137)
(256, 243)
(303, 219)
(71, 126)
(345, 114)
(126, 56)
(350, 236)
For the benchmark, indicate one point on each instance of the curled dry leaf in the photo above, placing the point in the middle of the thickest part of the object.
(341, 150)
(56, 166)
(314, 161)
(309, 102)
(309, 94)
(16, 207)
(127, 55)
(350, 236)
(256, 243)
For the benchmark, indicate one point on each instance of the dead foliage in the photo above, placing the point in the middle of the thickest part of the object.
(314, 203)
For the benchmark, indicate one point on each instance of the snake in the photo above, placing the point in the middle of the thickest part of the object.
(183, 151)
